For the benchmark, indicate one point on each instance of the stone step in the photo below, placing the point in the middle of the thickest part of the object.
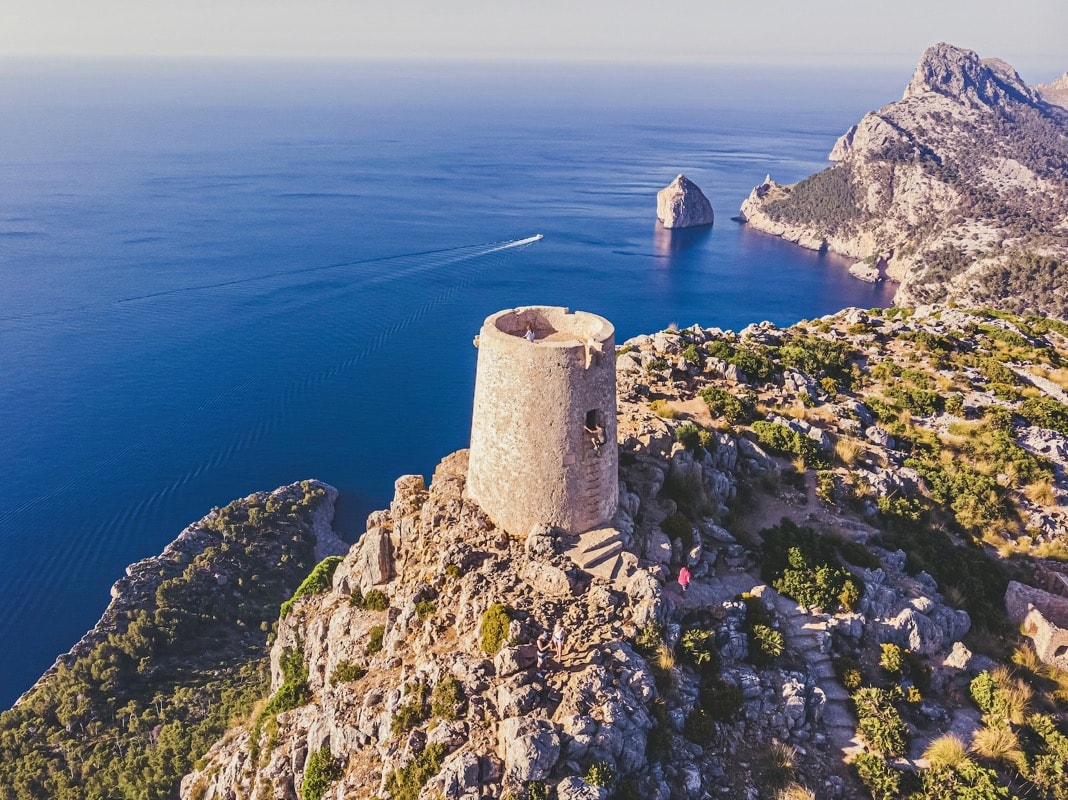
(834, 693)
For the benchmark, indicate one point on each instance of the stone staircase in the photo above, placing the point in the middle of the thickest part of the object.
(600, 553)
(803, 633)
(804, 636)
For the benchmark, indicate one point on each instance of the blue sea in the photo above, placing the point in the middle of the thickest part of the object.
(217, 278)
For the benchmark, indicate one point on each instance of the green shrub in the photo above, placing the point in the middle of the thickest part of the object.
(493, 632)
(657, 364)
(816, 584)
(322, 770)
(412, 712)
(649, 639)
(374, 640)
(318, 581)
(780, 439)
(374, 600)
(882, 780)
(294, 691)
(405, 783)
(425, 608)
(692, 354)
(539, 790)
(765, 644)
(892, 658)
(722, 403)
(452, 571)
(679, 526)
(955, 404)
(721, 700)
(447, 701)
(848, 672)
(1045, 412)
(964, 780)
(688, 435)
(600, 772)
(880, 726)
(697, 648)
(699, 728)
(346, 672)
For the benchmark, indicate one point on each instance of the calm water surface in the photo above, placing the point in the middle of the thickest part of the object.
(219, 278)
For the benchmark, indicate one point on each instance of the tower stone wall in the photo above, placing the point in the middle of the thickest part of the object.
(533, 458)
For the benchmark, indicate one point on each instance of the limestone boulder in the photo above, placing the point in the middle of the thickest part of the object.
(681, 204)
(529, 748)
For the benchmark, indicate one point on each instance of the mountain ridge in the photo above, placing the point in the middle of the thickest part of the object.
(958, 191)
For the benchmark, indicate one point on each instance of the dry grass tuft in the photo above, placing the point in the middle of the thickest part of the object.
(946, 751)
(998, 743)
(1015, 693)
(795, 791)
(665, 658)
(848, 450)
(776, 765)
(663, 409)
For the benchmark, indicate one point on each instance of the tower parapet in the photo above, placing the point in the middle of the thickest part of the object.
(543, 429)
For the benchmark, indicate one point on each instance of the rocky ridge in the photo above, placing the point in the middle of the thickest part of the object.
(959, 190)
(416, 664)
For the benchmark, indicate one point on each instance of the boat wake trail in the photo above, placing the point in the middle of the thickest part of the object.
(368, 302)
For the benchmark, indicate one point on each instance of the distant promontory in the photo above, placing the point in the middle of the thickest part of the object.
(959, 190)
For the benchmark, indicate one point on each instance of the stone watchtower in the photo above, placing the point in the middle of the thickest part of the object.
(543, 431)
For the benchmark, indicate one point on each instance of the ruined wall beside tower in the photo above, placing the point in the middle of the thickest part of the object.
(532, 459)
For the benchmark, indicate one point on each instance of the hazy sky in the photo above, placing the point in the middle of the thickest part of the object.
(1030, 34)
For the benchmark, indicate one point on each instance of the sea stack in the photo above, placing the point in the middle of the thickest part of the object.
(682, 204)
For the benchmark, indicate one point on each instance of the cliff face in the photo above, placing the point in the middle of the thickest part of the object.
(959, 190)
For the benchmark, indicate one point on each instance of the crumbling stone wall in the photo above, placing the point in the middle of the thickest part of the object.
(533, 459)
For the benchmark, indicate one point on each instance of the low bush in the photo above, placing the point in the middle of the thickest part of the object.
(425, 608)
(722, 403)
(600, 773)
(322, 770)
(697, 648)
(848, 672)
(688, 435)
(765, 644)
(879, 725)
(882, 780)
(679, 526)
(493, 631)
(412, 712)
(1045, 412)
(374, 639)
(346, 672)
(700, 728)
(784, 441)
(721, 700)
(374, 600)
(294, 691)
(663, 409)
(406, 783)
(447, 701)
(317, 582)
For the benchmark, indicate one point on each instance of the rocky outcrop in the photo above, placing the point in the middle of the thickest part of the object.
(948, 190)
(681, 204)
(1055, 92)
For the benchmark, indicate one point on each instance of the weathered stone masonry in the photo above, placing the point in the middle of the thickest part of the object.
(532, 458)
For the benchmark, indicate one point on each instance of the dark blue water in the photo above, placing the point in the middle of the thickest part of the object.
(220, 278)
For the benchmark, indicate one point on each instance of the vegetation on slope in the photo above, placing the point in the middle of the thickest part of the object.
(130, 716)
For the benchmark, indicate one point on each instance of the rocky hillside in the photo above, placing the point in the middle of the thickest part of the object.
(181, 649)
(852, 496)
(959, 190)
